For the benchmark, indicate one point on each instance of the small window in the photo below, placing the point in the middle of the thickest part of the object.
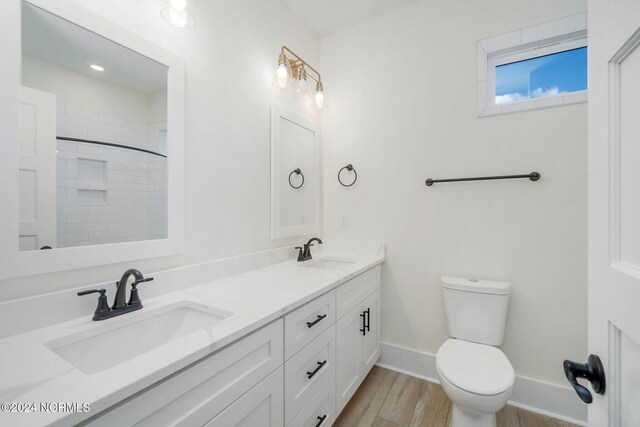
(542, 76)
(533, 67)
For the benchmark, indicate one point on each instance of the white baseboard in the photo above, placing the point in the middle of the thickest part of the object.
(533, 395)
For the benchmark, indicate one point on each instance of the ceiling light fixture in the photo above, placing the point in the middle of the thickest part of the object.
(175, 13)
(297, 70)
(96, 67)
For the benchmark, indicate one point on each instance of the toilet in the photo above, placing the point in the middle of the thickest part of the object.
(476, 375)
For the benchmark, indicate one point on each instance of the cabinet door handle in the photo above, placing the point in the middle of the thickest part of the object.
(368, 324)
(315, 371)
(322, 418)
(364, 326)
(315, 322)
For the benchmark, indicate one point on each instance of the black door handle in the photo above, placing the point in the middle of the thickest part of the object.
(368, 324)
(315, 371)
(364, 324)
(592, 371)
(322, 418)
(315, 322)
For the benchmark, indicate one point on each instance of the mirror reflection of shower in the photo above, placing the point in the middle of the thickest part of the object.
(93, 136)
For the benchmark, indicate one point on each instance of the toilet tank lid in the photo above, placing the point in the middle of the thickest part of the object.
(469, 284)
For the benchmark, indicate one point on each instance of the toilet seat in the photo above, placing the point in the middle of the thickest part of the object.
(475, 368)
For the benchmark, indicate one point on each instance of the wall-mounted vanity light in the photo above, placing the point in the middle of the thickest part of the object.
(293, 71)
(175, 13)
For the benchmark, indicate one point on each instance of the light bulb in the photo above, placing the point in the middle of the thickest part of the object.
(178, 17)
(176, 14)
(301, 88)
(282, 75)
(319, 100)
(302, 83)
(300, 91)
(178, 4)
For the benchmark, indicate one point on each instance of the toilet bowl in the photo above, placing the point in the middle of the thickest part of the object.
(478, 379)
(476, 376)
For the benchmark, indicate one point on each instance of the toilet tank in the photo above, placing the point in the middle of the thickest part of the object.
(476, 310)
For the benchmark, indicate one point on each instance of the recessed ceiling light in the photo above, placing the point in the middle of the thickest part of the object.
(96, 67)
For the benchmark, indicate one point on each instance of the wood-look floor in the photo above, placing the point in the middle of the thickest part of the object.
(390, 399)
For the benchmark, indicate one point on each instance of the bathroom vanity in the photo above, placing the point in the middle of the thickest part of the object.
(284, 345)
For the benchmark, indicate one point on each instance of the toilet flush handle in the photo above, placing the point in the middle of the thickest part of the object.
(592, 371)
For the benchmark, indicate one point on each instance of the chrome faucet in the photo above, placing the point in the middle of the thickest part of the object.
(120, 306)
(304, 253)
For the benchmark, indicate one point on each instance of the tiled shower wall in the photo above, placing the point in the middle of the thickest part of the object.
(109, 194)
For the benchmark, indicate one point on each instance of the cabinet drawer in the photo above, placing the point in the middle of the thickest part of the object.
(307, 371)
(321, 411)
(261, 406)
(307, 322)
(353, 292)
(200, 391)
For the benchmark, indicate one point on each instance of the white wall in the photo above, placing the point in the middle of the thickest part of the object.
(230, 56)
(403, 108)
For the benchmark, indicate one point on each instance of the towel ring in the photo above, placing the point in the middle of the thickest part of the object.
(297, 172)
(350, 168)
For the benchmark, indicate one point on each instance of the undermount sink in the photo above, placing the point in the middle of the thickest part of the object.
(101, 348)
(333, 264)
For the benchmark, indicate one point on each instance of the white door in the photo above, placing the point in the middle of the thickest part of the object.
(371, 339)
(614, 208)
(37, 211)
(349, 355)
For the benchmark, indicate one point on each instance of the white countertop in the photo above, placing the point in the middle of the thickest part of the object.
(32, 373)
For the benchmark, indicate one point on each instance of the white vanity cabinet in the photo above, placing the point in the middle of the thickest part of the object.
(298, 371)
(321, 410)
(343, 351)
(306, 323)
(199, 392)
(310, 349)
(260, 406)
(357, 333)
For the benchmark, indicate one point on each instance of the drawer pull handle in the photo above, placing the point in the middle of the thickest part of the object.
(315, 322)
(315, 371)
(322, 418)
(368, 311)
(364, 324)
